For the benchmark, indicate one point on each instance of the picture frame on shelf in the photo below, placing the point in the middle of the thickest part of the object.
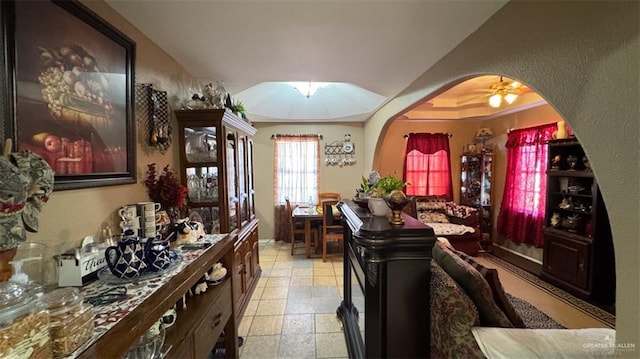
(69, 92)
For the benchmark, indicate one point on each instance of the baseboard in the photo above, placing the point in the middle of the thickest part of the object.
(517, 260)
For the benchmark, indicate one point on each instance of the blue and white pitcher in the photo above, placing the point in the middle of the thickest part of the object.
(126, 259)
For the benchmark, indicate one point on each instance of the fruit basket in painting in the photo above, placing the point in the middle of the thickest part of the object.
(75, 88)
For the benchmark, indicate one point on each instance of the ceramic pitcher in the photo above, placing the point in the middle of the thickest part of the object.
(126, 259)
(157, 254)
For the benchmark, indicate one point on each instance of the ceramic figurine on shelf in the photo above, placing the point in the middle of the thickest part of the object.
(555, 162)
(555, 219)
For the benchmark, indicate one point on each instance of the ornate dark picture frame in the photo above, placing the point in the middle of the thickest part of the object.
(68, 80)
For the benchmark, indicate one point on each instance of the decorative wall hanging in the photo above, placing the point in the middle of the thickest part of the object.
(340, 153)
(73, 89)
(152, 110)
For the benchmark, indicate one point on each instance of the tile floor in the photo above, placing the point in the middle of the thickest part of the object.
(292, 312)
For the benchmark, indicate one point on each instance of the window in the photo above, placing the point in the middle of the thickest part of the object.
(521, 215)
(296, 164)
(428, 165)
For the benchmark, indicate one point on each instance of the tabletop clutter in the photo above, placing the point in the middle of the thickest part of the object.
(62, 322)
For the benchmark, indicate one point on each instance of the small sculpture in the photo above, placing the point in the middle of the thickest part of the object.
(187, 232)
(555, 162)
(555, 219)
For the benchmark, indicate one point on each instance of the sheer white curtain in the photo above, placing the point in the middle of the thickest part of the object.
(296, 163)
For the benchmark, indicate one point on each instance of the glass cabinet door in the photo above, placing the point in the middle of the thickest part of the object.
(485, 196)
(251, 189)
(200, 144)
(242, 185)
(232, 183)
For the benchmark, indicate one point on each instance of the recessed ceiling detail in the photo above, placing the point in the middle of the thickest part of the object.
(338, 101)
(469, 100)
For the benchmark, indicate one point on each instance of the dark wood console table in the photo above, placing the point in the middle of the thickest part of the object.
(385, 311)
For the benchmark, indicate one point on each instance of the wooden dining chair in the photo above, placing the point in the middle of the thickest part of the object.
(328, 196)
(331, 227)
(296, 228)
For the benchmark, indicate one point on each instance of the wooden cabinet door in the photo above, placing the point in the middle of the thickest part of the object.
(568, 260)
(249, 270)
(255, 258)
(238, 275)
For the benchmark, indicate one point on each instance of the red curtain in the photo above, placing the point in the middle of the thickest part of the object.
(521, 215)
(427, 165)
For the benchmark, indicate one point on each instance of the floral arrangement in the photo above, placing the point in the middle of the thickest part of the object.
(165, 188)
(376, 186)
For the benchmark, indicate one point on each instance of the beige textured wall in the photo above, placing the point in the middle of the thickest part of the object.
(343, 180)
(71, 215)
(586, 66)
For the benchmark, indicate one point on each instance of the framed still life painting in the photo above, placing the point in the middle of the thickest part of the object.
(69, 92)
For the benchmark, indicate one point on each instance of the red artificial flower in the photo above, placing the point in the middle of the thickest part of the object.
(165, 188)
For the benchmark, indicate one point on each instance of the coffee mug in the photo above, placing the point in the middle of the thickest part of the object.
(132, 223)
(163, 218)
(151, 220)
(150, 231)
(128, 212)
(148, 206)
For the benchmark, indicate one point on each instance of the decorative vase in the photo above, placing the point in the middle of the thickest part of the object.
(562, 130)
(396, 201)
(378, 206)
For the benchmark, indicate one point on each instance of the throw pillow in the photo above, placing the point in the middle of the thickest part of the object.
(499, 295)
(453, 314)
(432, 217)
(457, 210)
(474, 284)
(431, 203)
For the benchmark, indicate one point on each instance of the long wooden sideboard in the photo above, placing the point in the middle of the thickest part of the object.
(197, 327)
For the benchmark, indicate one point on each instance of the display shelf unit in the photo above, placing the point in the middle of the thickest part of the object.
(476, 188)
(578, 249)
(216, 165)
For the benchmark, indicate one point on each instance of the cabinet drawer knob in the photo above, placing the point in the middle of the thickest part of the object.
(216, 320)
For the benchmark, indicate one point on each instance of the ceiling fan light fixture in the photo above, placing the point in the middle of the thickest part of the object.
(495, 100)
(510, 97)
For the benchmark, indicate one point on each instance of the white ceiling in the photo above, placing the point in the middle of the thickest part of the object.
(380, 46)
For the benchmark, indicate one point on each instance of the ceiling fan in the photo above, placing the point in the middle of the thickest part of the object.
(502, 90)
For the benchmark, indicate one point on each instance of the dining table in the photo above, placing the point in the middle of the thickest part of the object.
(308, 214)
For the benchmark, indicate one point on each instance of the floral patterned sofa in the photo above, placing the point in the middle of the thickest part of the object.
(462, 298)
(473, 317)
(459, 224)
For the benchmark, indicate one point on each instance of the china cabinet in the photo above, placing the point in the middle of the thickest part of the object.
(578, 249)
(385, 306)
(216, 164)
(475, 187)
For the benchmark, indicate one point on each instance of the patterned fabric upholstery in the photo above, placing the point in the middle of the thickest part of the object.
(457, 210)
(499, 295)
(452, 317)
(432, 217)
(474, 285)
(431, 203)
